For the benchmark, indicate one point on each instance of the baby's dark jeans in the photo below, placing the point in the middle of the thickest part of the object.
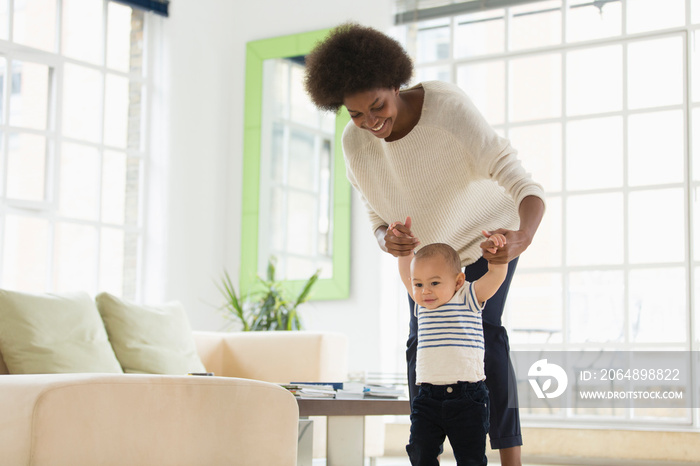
(460, 412)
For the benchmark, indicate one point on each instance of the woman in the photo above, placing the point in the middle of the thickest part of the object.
(426, 152)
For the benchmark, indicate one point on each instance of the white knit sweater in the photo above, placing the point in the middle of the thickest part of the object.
(451, 173)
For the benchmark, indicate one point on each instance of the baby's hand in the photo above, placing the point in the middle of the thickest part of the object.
(394, 228)
(497, 239)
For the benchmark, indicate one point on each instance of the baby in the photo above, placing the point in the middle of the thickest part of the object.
(452, 400)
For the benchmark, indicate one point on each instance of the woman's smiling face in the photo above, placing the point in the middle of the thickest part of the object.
(374, 110)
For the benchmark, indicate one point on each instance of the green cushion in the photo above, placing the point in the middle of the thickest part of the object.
(150, 339)
(53, 333)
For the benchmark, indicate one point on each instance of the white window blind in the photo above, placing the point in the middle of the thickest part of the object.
(420, 10)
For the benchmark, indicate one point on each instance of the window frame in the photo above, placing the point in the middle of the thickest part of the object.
(48, 210)
(690, 263)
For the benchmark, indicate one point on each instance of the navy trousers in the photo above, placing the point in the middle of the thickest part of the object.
(459, 411)
(504, 425)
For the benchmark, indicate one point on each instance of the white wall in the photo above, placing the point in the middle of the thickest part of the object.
(199, 139)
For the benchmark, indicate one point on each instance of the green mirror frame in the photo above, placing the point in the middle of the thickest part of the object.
(338, 286)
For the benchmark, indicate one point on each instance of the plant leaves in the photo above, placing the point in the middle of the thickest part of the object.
(304, 295)
(271, 269)
(268, 305)
(232, 304)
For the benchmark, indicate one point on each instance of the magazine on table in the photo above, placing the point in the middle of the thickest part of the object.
(344, 391)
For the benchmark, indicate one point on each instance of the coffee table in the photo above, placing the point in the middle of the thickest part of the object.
(345, 444)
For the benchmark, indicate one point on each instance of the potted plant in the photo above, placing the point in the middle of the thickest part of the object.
(269, 306)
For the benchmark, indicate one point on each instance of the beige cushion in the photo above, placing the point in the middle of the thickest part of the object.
(284, 357)
(149, 339)
(53, 333)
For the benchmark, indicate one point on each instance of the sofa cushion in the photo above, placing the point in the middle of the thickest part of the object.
(53, 333)
(150, 339)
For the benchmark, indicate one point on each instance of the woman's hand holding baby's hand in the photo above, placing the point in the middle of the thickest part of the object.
(517, 242)
(399, 239)
(497, 239)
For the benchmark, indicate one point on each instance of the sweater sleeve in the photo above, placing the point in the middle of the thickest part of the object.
(505, 167)
(491, 155)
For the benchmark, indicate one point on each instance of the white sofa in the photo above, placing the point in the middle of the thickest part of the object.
(143, 419)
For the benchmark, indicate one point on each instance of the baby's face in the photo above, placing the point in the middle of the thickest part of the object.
(434, 282)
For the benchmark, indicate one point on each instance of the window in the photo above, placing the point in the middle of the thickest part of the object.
(602, 100)
(72, 112)
(296, 182)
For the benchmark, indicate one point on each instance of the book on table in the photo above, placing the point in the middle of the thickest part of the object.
(344, 391)
(384, 391)
(311, 390)
(351, 391)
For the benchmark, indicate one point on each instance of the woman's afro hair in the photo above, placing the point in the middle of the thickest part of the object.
(353, 59)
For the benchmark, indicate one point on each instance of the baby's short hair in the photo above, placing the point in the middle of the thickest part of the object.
(443, 250)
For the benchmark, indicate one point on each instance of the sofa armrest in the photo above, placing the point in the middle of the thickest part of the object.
(279, 357)
(81, 419)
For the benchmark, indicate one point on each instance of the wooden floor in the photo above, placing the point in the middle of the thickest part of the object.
(493, 461)
(405, 462)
